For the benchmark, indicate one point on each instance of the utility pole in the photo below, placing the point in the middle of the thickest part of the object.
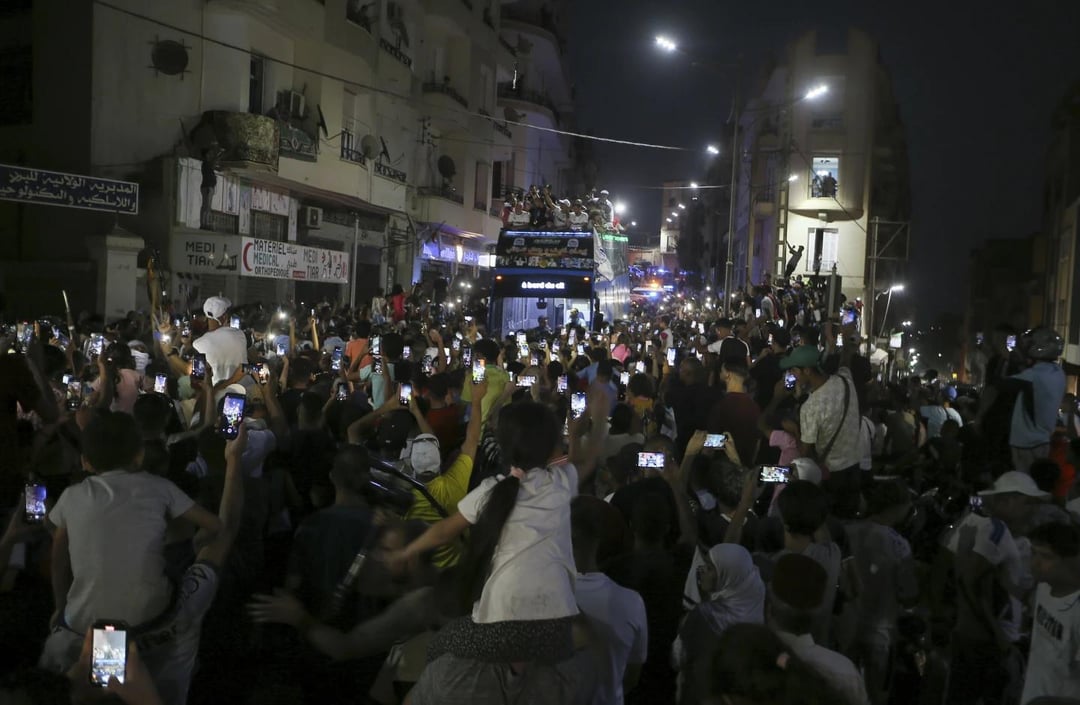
(871, 296)
(876, 254)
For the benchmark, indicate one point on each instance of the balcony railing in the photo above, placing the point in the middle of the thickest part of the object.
(398, 54)
(348, 152)
(447, 192)
(296, 143)
(388, 172)
(500, 127)
(446, 89)
(507, 90)
(247, 140)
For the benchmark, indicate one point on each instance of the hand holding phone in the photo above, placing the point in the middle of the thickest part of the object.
(160, 382)
(108, 655)
(715, 440)
(650, 461)
(198, 366)
(577, 405)
(479, 370)
(34, 503)
(232, 415)
(777, 474)
(405, 394)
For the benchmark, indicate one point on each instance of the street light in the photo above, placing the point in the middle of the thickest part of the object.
(633, 223)
(666, 44)
(674, 214)
(793, 178)
(620, 207)
(894, 287)
(682, 206)
(693, 184)
(712, 149)
(816, 92)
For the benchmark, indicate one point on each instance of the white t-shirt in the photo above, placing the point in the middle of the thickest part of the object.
(532, 571)
(225, 350)
(116, 539)
(823, 412)
(936, 416)
(578, 221)
(518, 219)
(991, 539)
(836, 669)
(1054, 663)
(618, 615)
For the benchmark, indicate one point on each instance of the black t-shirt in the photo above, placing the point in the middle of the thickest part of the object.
(323, 549)
(624, 501)
(731, 348)
(766, 373)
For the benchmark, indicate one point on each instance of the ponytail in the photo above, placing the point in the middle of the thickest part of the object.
(527, 434)
(483, 539)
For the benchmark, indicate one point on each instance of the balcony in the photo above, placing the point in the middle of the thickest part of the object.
(448, 193)
(445, 88)
(246, 141)
(296, 143)
(501, 127)
(388, 172)
(349, 149)
(530, 99)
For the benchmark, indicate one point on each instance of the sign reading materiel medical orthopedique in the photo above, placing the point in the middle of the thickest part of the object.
(56, 188)
(287, 260)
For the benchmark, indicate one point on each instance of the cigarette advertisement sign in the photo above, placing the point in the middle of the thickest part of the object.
(287, 260)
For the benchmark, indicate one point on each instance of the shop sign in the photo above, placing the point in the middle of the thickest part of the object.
(287, 260)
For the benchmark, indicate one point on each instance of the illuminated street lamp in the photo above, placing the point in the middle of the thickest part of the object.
(712, 149)
(816, 92)
(620, 207)
(693, 184)
(666, 44)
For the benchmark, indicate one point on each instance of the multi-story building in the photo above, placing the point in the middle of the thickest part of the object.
(814, 172)
(1002, 287)
(350, 144)
(1060, 295)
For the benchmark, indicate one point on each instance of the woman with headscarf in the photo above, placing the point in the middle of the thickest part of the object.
(723, 588)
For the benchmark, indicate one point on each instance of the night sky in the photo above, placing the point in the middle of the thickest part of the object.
(976, 83)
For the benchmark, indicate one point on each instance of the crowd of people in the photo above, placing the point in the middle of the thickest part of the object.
(537, 209)
(693, 505)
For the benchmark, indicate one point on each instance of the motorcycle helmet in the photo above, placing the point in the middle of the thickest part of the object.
(1042, 343)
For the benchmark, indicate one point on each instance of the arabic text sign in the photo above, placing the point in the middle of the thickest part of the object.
(55, 188)
(287, 260)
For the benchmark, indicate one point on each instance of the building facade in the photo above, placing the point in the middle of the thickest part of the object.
(814, 172)
(283, 149)
(1060, 296)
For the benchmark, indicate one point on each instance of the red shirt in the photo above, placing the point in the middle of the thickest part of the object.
(446, 423)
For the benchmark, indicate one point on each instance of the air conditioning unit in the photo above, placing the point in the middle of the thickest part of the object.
(312, 217)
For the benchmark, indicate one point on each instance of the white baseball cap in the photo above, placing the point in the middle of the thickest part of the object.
(216, 306)
(1014, 481)
(424, 455)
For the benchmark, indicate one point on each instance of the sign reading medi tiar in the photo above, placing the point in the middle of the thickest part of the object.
(56, 188)
(286, 260)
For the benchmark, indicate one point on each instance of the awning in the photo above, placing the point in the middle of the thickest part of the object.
(475, 239)
(264, 178)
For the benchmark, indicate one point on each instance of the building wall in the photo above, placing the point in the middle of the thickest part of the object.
(784, 134)
(117, 116)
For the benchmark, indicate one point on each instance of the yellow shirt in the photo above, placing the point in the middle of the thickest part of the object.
(497, 379)
(448, 489)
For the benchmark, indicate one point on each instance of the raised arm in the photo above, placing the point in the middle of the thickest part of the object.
(232, 504)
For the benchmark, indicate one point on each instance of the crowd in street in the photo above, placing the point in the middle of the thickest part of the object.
(698, 504)
(537, 209)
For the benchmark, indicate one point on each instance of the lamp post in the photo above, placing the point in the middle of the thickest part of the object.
(891, 289)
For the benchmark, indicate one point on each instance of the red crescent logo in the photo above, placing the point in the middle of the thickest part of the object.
(247, 247)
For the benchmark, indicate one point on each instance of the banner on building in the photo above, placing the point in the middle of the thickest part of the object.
(204, 253)
(56, 188)
(287, 260)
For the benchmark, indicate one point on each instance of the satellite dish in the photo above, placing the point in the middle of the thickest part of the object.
(369, 146)
(447, 168)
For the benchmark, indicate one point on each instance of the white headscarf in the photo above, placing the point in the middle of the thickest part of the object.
(739, 595)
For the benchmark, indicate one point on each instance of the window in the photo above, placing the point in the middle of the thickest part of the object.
(256, 84)
(481, 186)
(349, 139)
(268, 226)
(827, 242)
(487, 85)
(497, 180)
(825, 177)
